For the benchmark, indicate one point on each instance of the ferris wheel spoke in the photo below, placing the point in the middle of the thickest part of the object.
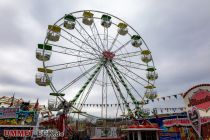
(86, 83)
(123, 75)
(72, 50)
(136, 75)
(106, 90)
(89, 90)
(77, 39)
(102, 99)
(117, 97)
(124, 45)
(115, 39)
(74, 62)
(116, 79)
(87, 34)
(67, 66)
(105, 39)
(92, 30)
(76, 44)
(118, 89)
(91, 86)
(95, 50)
(132, 78)
(135, 102)
(76, 79)
(66, 53)
(129, 56)
(125, 55)
(131, 66)
(94, 25)
(135, 63)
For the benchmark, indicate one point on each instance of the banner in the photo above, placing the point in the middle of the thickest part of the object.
(170, 136)
(200, 99)
(6, 113)
(182, 122)
(195, 120)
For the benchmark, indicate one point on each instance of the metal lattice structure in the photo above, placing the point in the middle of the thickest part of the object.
(95, 58)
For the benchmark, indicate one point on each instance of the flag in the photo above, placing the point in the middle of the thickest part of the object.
(36, 106)
(181, 94)
(12, 101)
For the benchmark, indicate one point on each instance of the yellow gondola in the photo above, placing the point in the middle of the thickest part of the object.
(146, 56)
(53, 33)
(122, 28)
(87, 18)
(41, 78)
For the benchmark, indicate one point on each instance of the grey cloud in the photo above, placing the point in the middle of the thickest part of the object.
(177, 32)
(10, 80)
(9, 30)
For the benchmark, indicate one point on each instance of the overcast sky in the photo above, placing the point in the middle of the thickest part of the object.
(176, 31)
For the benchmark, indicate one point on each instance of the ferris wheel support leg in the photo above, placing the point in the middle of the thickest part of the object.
(118, 89)
(135, 102)
(61, 125)
(86, 84)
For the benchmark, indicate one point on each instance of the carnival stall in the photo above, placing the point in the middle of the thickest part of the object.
(17, 117)
(196, 124)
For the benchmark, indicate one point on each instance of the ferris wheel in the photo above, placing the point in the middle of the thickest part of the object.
(97, 64)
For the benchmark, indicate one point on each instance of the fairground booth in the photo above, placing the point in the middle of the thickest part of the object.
(194, 124)
(17, 118)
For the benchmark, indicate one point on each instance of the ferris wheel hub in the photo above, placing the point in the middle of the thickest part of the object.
(108, 55)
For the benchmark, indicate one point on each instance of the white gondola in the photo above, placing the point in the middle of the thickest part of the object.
(53, 105)
(69, 22)
(54, 102)
(152, 75)
(53, 33)
(41, 78)
(87, 18)
(150, 94)
(43, 55)
(106, 21)
(136, 41)
(142, 102)
(146, 56)
(146, 111)
(122, 28)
